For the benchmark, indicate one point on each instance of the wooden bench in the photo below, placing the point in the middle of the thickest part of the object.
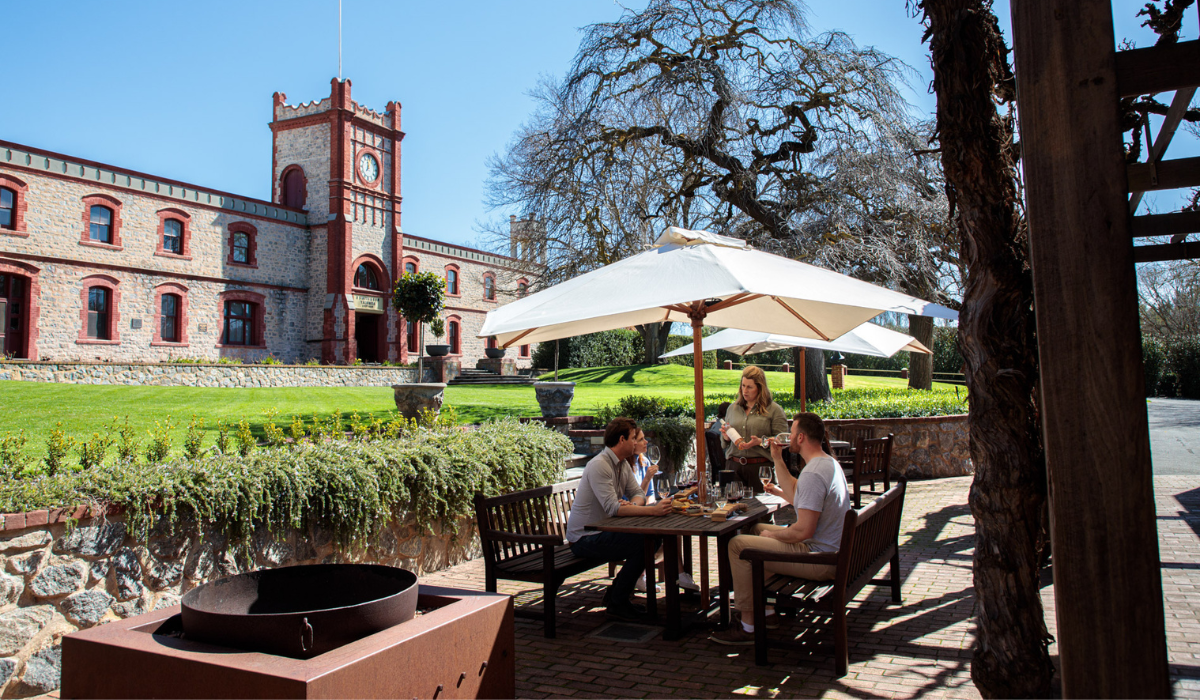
(870, 539)
(523, 535)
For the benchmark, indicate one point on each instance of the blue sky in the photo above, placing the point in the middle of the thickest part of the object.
(183, 90)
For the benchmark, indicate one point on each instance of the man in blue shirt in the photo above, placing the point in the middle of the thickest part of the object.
(607, 481)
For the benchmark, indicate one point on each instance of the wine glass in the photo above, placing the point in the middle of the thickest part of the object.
(722, 495)
(767, 473)
(654, 454)
(733, 491)
(662, 485)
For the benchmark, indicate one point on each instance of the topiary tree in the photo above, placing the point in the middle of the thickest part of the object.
(420, 298)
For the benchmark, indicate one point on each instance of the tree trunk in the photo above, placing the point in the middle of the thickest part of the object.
(654, 341)
(996, 337)
(920, 365)
(816, 383)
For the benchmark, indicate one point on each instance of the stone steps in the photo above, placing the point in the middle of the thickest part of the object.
(480, 376)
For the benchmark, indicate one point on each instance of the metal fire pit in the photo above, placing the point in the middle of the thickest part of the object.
(299, 611)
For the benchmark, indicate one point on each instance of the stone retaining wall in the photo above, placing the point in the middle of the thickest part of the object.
(931, 447)
(54, 581)
(212, 376)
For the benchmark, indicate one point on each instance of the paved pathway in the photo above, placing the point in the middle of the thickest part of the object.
(1174, 436)
(920, 647)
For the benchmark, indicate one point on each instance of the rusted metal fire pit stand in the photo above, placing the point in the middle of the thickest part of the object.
(464, 648)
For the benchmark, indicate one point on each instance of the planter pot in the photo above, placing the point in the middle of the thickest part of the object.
(494, 353)
(554, 398)
(412, 398)
(437, 350)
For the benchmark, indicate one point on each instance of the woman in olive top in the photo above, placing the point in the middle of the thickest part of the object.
(755, 417)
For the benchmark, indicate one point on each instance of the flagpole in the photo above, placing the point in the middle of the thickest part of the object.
(339, 41)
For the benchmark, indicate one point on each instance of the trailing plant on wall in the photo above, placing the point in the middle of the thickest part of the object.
(350, 487)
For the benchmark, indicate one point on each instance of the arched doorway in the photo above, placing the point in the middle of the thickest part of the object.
(14, 315)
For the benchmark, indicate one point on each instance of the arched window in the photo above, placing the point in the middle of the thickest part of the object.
(241, 247)
(452, 281)
(522, 287)
(489, 288)
(169, 318)
(452, 335)
(364, 278)
(174, 233)
(410, 268)
(99, 306)
(100, 224)
(8, 208)
(100, 316)
(293, 188)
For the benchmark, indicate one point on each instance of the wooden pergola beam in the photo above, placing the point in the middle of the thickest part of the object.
(1108, 588)
(1158, 68)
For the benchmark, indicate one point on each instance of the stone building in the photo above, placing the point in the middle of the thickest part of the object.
(98, 262)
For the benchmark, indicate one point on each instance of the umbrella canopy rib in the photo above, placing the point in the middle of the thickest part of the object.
(801, 318)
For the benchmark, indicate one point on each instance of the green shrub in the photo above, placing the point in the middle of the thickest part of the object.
(245, 439)
(1154, 362)
(613, 348)
(1183, 357)
(946, 357)
(543, 354)
(222, 437)
(13, 460)
(159, 447)
(194, 438)
(93, 450)
(58, 444)
(349, 488)
(128, 446)
(271, 432)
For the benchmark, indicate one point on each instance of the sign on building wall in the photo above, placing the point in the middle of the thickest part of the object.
(368, 305)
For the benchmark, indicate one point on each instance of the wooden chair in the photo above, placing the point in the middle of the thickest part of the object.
(523, 537)
(851, 433)
(872, 463)
(870, 539)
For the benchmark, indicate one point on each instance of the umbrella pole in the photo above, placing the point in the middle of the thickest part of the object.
(803, 370)
(698, 373)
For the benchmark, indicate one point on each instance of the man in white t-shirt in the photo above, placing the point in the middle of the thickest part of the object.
(821, 499)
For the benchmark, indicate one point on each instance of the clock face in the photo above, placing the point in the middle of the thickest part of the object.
(368, 167)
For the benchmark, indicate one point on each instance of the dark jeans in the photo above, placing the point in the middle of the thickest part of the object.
(613, 546)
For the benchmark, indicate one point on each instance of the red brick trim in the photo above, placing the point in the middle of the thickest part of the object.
(409, 259)
(252, 233)
(458, 281)
(465, 310)
(257, 316)
(183, 218)
(20, 205)
(156, 273)
(112, 284)
(301, 122)
(457, 320)
(134, 173)
(518, 292)
(524, 351)
(379, 161)
(30, 273)
(180, 291)
(112, 203)
(460, 259)
(489, 276)
(283, 188)
(473, 250)
(381, 273)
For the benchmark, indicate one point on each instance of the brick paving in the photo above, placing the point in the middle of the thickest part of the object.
(920, 647)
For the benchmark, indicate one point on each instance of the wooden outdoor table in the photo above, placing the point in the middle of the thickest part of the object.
(670, 528)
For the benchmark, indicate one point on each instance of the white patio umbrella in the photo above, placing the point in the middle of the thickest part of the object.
(867, 339)
(699, 277)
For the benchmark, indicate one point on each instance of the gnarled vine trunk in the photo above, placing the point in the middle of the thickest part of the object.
(996, 337)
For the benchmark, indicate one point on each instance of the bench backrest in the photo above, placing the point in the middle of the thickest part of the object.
(539, 511)
(869, 535)
(853, 431)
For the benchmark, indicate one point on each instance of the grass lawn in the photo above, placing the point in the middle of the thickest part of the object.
(86, 408)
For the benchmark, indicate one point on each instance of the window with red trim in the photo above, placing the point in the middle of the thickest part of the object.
(489, 288)
(365, 278)
(99, 315)
(100, 224)
(524, 351)
(452, 281)
(410, 268)
(243, 244)
(168, 324)
(239, 323)
(522, 287)
(8, 208)
(101, 221)
(453, 335)
(412, 331)
(99, 320)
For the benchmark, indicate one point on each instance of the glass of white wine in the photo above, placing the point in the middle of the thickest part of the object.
(767, 473)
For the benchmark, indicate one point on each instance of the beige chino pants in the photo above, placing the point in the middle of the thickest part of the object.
(743, 587)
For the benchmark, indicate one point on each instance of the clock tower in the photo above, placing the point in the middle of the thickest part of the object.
(340, 163)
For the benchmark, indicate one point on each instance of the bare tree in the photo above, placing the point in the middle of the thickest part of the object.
(1169, 293)
(715, 114)
(996, 337)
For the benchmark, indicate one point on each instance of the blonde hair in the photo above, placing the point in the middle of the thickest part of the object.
(756, 375)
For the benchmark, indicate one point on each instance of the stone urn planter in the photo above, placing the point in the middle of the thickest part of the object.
(554, 398)
(412, 398)
(437, 350)
(494, 353)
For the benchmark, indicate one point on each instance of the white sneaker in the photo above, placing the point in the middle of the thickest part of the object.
(640, 586)
(685, 582)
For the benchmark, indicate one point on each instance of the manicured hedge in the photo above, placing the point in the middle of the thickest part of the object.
(350, 486)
